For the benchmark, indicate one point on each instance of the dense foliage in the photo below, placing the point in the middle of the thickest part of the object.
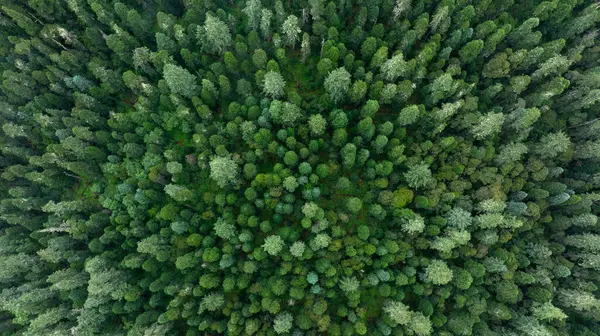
(264, 167)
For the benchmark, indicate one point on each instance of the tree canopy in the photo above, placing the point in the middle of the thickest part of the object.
(313, 167)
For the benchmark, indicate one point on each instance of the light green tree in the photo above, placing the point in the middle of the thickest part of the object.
(290, 30)
(224, 171)
(408, 115)
(414, 225)
(317, 124)
(297, 249)
(212, 302)
(224, 228)
(354, 204)
(273, 84)
(349, 284)
(547, 311)
(305, 47)
(178, 193)
(459, 218)
(273, 245)
(398, 312)
(394, 68)
(283, 323)
(265, 22)
(321, 240)
(337, 84)
(438, 272)
(420, 324)
(180, 80)
(214, 36)
(512, 152)
(488, 125)
(418, 176)
(253, 11)
(552, 144)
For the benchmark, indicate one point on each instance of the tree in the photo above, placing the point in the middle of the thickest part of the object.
(438, 273)
(224, 229)
(420, 324)
(470, 51)
(380, 56)
(441, 15)
(273, 84)
(507, 292)
(283, 323)
(310, 210)
(253, 11)
(398, 312)
(408, 115)
(290, 183)
(178, 193)
(290, 158)
(523, 37)
(317, 124)
(400, 7)
(320, 241)
(174, 167)
(337, 84)
(459, 218)
(368, 48)
(214, 36)
(489, 125)
(265, 22)
(180, 80)
(297, 249)
(414, 225)
(497, 67)
(349, 284)
(290, 30)
(354, 204)
(305, 47)
(547, 311)
(418, 176)
(578, 300)
(553, 66)
(224, 171)
(552, 144)
(212, 302)
(259, 58)
(348, 154)
(273, 245)
(394, 68)
(285, 113)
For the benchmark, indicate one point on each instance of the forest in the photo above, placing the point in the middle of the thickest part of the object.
(299, 167)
